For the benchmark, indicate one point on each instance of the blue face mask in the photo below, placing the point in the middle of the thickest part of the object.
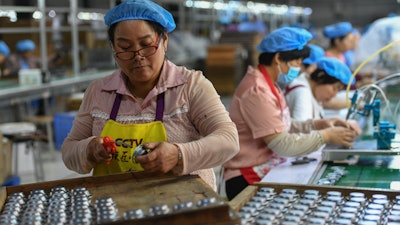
(292, 74)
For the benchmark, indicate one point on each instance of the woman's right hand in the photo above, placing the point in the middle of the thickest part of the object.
(96, 152)
(339, 135)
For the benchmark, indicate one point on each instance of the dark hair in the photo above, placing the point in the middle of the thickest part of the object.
(321, 77)
(156, 27)
(332, 40)
(286, 56)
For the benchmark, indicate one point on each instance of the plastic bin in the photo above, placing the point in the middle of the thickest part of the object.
(62, 125)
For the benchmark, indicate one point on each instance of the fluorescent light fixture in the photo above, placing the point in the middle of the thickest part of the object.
(52, 13)
(37, 15)
(249, 7)
(307, 11)
(91, 16)
(12, 14)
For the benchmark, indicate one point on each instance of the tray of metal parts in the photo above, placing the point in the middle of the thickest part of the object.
(127, 198)
(277, 203)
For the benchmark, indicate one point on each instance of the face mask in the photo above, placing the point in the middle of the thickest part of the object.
(292, 74)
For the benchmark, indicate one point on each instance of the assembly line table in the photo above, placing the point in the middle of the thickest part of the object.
(367, 168)
(296, 174)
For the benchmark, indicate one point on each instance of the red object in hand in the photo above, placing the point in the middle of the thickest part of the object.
(110, 146)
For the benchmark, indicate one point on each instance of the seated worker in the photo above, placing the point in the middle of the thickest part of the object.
(262, 117)
(305, 94)
(172, 111)
(349, 55)
(341, 39)
(309, 64)
(4, 52)
(24, 58)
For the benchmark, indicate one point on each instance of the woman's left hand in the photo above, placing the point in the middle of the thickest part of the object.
(354, 126)
(336, 122)
(162, 158)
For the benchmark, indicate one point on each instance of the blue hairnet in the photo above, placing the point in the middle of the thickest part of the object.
(285, 39)
(4, 48)
(316, 53)
(337, 30)
(25, 45)
(335, 68)
(140, 10)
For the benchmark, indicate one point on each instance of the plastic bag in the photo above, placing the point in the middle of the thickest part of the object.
(379, 34)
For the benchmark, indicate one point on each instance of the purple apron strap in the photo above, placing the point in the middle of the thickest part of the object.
(115, 107)
(160, 107)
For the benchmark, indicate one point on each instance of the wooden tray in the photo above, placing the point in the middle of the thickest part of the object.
(143, 190)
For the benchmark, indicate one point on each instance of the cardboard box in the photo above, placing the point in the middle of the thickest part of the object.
(5, 159)
(224, 67)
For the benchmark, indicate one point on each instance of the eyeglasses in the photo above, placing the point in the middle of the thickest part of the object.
(144, 52)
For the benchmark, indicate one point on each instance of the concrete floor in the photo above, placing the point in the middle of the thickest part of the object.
(53, 166)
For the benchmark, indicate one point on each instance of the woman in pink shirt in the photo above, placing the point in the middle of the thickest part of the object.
(260, 112)
(172, 112)
(341, 40)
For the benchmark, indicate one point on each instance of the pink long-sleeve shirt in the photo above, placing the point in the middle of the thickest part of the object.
(256, 112)
(194, 118)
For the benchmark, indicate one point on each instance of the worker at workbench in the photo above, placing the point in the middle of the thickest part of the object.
(4, 53)
(24, 58)
(308, 66)
(174, 112)
(260, 112)
(306, 94)
(342, 40)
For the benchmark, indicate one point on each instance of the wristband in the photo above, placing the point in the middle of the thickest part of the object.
(179, 153)
(179, 165)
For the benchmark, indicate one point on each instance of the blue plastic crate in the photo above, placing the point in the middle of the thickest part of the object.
(12, 181)
(62, 125)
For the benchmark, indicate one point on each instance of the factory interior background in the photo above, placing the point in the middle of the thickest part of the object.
(72, 37)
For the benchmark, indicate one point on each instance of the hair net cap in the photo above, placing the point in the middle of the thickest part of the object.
(25, 45)
(4, 50)
(285, 39)
(140, 10)
(316, 53)
(337, 30)
(335, 68)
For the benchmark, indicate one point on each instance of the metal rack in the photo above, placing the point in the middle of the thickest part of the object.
(42, 8)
